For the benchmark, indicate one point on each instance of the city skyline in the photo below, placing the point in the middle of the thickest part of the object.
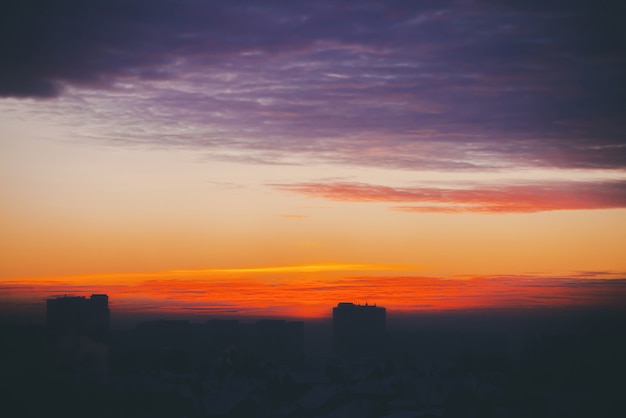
(274, 159)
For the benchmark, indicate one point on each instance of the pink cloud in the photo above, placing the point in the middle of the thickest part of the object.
(529, 198)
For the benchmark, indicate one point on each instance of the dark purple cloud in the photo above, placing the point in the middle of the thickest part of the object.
(479, 84)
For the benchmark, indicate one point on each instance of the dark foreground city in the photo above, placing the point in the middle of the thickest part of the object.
(365, 362)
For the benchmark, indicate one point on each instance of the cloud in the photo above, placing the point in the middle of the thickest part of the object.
(445, 85)
(495, 199)
(292, 216)
(315, 296)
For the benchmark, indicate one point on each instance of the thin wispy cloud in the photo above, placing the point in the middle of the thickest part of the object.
(292, 216)
(488, 199)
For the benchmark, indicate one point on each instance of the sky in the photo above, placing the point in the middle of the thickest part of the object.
(274, 158)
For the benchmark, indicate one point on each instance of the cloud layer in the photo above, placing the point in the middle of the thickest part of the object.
(494, 199)
(315, 296)
(414, 85)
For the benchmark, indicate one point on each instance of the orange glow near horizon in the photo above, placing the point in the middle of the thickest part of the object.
(302, 292)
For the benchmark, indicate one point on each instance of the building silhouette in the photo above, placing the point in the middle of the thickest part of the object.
(266, 339)
(277, 340)
(358, 330)
(78, 316)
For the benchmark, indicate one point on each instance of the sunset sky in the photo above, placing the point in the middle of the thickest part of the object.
(277, 157)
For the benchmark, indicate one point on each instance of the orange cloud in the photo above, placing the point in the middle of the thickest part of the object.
(307, 295)
(495, 199)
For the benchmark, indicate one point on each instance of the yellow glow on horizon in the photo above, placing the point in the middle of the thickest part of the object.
(309, 268)
(209, 273)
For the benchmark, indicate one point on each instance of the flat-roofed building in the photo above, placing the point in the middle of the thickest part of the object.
(359, 330)
(78, 316)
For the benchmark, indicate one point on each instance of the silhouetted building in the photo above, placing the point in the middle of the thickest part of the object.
(170, 328)
(78, 316)
(164, 333)
(278, 340)
(223, 332)
(358, 330)
(267, 339)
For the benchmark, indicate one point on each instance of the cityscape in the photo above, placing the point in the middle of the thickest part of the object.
(357, 364)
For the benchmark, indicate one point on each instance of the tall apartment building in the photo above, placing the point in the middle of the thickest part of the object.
(78, 316)
(358, 330)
